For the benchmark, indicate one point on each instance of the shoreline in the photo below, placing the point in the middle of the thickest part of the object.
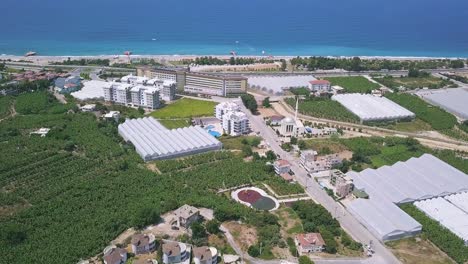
(176, 57)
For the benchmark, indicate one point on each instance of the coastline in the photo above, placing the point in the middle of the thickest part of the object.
(44, 59)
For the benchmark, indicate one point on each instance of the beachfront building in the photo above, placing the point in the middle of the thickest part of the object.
(320, 86)
(309, 243)
(114, 255)
(167, 88)
(118, 93)
(132, 79)
(225, 107)
(175, 252)
(235, 123)
(198, 83)
(291, 127)
(282, 166)
(143, 243)
(205, 255)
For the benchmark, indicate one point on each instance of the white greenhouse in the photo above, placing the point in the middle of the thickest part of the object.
(373, 108)
(153, 141)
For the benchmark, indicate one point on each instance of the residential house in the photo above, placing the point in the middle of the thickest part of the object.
(114, 255)
(282, 166)
(175, 252)
(309, 243)
(205, 255)
(186, 215)
(143, 243)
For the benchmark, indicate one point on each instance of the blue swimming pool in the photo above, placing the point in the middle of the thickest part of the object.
(209, 127)
(214, 133)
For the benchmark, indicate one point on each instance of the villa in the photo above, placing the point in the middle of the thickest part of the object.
(114, 255)
(175, 252)
(143, 243)
(186, 215)
(309, 243)
(205, 255)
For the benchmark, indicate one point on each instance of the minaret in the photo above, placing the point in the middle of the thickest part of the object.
(297, 106)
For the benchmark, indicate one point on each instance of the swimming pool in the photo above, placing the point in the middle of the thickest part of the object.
(214, 133)
(209, 127)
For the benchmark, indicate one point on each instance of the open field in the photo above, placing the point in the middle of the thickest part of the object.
(175, 123)
(418, 251)
(52, 187)
(448, 242)
(323, 108)
(236, 143)
(185, 108)
(411, 83)
(415, 125)
(354, 84)
(282, 187)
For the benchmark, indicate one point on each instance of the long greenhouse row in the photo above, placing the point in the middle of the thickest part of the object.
(373, 108)
(153, 141)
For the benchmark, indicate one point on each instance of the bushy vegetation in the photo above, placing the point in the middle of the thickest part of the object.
(354, 84)
(459, 78)
(300, 91)
(315, 218)
(185, 108)
(418, 79)
(84, 62)
(250, 102)
(439, 235)
(26, 86)
(356, 64)
(323, 108)
(236, 143)
(208, 60)
(282, 187)
(438, 118)
(68, 194)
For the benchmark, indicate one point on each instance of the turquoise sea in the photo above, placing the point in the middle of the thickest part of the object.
(249, 27)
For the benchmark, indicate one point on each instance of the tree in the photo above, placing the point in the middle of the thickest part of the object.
(356, 64)
(250, 102)
(293, 140)
(232, 61)
(253, 251)
(305, 260)
(456, 64)
(212, 227)
(146, 216)
(247, 151)
(141, 111)
(270, 155)
(255, 142)
(14, 235)
(283, 65)
(301, 144)
(198, 231)
(266, 102)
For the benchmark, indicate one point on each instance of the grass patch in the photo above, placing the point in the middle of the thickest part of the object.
(5, 104)
(436, 117)
(411, 83)
(323, 108)
(300, 91)
(175, 123)
(282, 187)
(236, 143)
(325, 146)
(354, 84)
(418, 250)
(185, 108)
(411, 126)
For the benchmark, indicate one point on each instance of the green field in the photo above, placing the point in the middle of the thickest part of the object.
(235, 143)
(175, 123)
(430, 82)
(282, 187)
(5, 104)
(435, 116)
(67, 195)
(415, 125)
(323, 108)
(354, 84)
(185, 108)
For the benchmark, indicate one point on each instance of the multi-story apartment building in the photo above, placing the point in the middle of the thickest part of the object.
(129, 95)
(166, 74)
(224, 108)
(320, 86)
(235, 123)
(342, 182)
(118, 93)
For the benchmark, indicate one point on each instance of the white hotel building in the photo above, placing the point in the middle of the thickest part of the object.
(129, 95)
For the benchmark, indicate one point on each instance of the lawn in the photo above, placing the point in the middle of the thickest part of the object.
(411, 83)
(185, 108)
(175, 123)
(323, 108)
(236, 143)
(354, 84)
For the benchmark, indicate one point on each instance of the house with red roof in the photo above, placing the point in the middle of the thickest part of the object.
(320, 86)
(309, 243)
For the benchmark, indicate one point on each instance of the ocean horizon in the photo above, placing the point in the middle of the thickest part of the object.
(258, 27)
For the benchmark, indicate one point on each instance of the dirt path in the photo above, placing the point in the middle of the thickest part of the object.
(13, 112)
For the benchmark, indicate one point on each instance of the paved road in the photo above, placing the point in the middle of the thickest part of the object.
(347, 221)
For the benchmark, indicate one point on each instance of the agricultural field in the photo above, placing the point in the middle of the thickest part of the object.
(412, 83)
(236, 143)
(185, 108)
(323, 108)
(436, 117)
(53, 186)
(282, 187)
(354, 84)
(415, 125)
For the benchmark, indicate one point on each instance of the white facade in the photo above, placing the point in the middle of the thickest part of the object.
(131, 79)
(214, 85)
(175, 252)
(235, 123)
(224, 107)
(145, 96)
(320, 86)
(118, 93)
(205, 255)
(291, 127)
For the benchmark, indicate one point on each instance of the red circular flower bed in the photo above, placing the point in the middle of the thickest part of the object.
(249, 196)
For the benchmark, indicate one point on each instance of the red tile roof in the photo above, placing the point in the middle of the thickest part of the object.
(310, 239)
(319, 82)
(287, 177)
(283, 163)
